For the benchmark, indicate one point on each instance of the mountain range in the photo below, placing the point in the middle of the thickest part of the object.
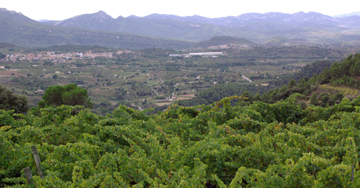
(171, 31)
(252, 26)
(18, 29)
(347, 15)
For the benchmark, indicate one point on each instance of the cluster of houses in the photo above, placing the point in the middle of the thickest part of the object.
(61, 57)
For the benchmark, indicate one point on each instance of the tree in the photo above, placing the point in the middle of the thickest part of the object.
(324, 98)
(257, 97)
(48, 63)
(325, 76)
(292, 83)
(53, 95)
(247, 95)
(68, 95)
(338, 97)
(314, 100)
(2, 55)
(10, 101)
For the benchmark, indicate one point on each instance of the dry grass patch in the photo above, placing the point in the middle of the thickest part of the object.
(185, 97)
(10, 73)
(162, 103)
(87, 76)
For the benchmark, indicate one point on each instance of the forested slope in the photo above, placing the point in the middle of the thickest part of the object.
(344, 74)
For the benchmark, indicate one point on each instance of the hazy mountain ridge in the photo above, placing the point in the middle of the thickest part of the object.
(232, 21)
(347, 15)
(165, 28)
(251, 26)
(18, 29)
(236, 21)
(179, 32)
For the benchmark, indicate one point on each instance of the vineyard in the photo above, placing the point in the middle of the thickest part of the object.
(217, 145)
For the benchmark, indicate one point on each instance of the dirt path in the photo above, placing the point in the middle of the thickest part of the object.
(246, 78)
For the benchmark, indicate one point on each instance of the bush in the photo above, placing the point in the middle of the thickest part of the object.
(10, 101)
(68, 95)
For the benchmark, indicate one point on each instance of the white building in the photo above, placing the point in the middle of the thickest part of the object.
(207, 53)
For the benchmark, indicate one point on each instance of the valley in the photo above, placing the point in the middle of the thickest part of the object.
(151, 78)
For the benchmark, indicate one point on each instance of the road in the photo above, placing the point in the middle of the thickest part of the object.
(139, 107)
(154, 91)
(246, 78)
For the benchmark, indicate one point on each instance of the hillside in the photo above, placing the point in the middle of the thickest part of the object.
(225, 42)
(321, 83)
(17, 29)
(283, 41)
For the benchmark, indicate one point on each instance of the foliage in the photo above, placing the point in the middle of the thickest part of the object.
(2, 55)
(314, 100)
(344, 73)
(11, 101)
(259, 145)
(48, 63)
(66, 95)
(5, 45)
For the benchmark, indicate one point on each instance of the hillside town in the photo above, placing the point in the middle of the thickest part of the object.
(58, 57)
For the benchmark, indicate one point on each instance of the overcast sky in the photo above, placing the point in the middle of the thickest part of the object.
(63, 9)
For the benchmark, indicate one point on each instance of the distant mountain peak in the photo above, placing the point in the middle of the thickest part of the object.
(10, 11)
(102, 15)
(99, 17)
